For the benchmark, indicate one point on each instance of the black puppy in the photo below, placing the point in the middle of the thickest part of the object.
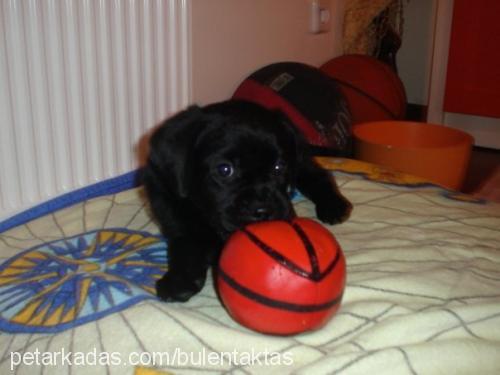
(215, 169)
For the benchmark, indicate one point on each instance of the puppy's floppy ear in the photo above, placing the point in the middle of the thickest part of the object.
(297, 145)
(171, 148)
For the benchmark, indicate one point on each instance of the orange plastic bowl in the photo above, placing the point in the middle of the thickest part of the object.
(435, 152)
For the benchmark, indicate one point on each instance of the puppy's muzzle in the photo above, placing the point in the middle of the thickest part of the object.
(272, 208)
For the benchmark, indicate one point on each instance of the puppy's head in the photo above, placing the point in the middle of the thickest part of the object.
(234, 161)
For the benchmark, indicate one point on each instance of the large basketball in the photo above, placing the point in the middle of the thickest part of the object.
(309, 98)
(282, 277)
(372, 89)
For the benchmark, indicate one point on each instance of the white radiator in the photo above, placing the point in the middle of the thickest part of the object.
(80, 82)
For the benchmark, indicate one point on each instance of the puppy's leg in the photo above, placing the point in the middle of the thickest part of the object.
(189, 254)
(319, 186)
(188, 262)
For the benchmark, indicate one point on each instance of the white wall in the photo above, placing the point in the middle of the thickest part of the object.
(415, 56)
(233, 38)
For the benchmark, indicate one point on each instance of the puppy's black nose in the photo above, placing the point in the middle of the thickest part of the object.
(261, 213)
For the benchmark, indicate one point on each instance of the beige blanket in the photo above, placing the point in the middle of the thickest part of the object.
(422, 295)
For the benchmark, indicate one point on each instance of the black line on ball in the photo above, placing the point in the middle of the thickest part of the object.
(366, 95)
(316, 274)
(276, 255)
(288, 306)
(311, 252)
(331, 266)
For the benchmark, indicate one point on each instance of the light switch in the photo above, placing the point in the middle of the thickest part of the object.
(320, 16)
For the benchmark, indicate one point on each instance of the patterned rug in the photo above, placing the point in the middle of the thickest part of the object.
(422, 280)
(74, 280)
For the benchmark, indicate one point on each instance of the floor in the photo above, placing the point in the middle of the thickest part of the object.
(483, 177)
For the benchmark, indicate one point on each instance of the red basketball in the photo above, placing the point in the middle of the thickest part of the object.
(372, 89)
(282, 277)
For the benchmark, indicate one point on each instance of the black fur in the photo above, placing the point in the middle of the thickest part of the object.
(215, 169)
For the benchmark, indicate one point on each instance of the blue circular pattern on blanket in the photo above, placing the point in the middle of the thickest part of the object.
(71, 281)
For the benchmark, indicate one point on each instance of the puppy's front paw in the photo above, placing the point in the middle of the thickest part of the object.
(333, 211)
(175, 287)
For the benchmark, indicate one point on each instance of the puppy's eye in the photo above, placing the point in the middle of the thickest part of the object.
(279, 167)
(225, 170)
